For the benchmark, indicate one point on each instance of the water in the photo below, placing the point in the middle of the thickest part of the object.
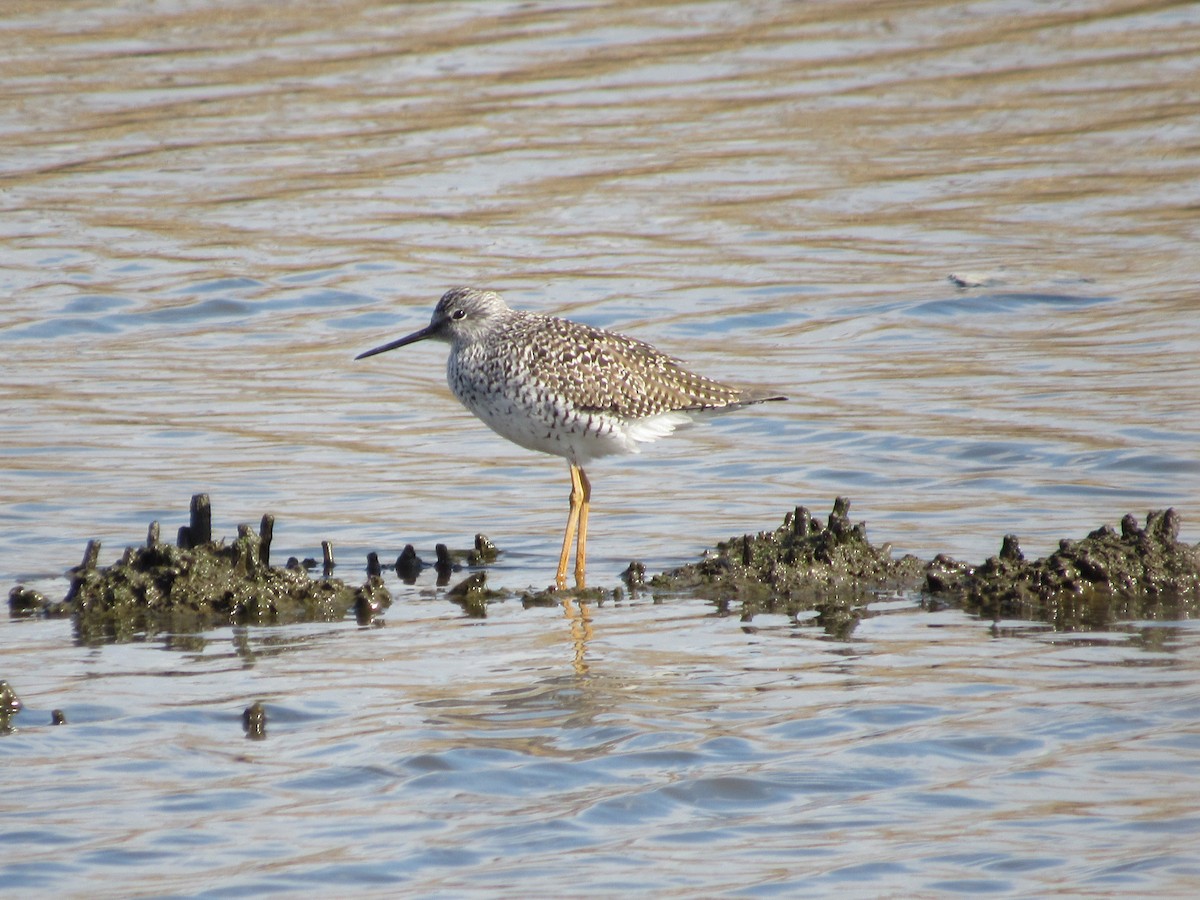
(208, 210)
(672, 751)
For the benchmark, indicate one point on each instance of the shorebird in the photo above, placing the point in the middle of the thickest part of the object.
(561, 387)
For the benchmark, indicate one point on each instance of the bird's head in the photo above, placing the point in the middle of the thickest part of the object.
(462, 315)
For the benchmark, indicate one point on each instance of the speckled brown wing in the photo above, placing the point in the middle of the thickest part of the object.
(601, 371)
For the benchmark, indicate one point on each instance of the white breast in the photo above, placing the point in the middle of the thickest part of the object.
(520, 410)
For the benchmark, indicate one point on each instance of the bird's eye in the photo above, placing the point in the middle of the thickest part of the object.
(458, 314)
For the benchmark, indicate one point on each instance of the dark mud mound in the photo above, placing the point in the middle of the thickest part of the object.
(833, 569)
(828, 568)
(1139, 573)
(200, 583)
(801, 564)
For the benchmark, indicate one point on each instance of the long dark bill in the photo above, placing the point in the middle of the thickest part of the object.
(400, 342)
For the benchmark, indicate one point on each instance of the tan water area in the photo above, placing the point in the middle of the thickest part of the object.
(207, 209)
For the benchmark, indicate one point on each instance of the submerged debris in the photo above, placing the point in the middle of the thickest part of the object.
(485, 551)
(473, 594)
(23, 601)
(555, 596)
(634, 575)
(409, 566)
(10, 705)
(254, 721)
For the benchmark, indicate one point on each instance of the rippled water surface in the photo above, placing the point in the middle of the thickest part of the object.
(207, 209)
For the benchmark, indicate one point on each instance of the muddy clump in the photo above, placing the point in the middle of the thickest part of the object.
(199, 583)
(832, 570)
(1137, 573)
(827, 569)
(801, 564)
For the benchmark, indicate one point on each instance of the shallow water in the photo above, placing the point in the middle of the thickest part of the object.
(669, 751)
(209, 209)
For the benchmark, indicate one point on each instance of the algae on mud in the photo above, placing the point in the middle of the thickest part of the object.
(798, 561)
(830, 569)
(827, 569)
(198, 584)
(833, 571)
(1140, 573)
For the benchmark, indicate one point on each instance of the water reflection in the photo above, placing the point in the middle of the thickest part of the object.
(580, 617)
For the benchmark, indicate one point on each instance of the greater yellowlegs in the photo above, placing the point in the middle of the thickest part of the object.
(560, 387)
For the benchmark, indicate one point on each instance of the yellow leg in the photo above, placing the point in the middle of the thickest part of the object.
(581, 547)
(577, 503)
